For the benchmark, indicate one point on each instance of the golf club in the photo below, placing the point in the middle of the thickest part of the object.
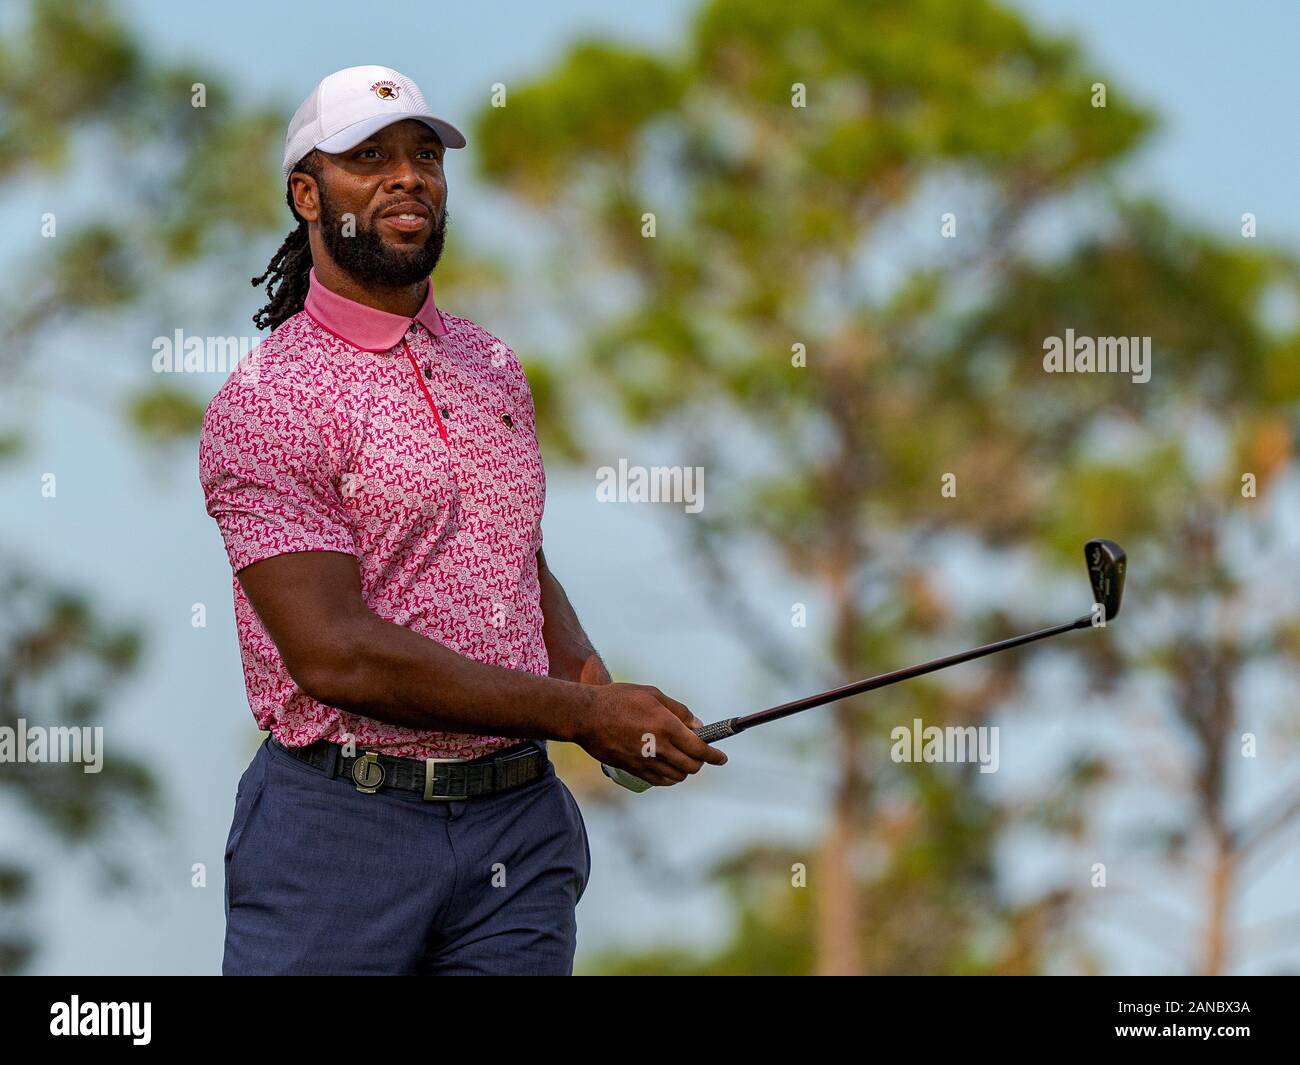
(1106, 565)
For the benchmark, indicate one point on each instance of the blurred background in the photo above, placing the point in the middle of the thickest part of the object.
(951, 193)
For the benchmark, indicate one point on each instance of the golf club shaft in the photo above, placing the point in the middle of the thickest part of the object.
(1107, 564)
(730, 726)
(720, 730)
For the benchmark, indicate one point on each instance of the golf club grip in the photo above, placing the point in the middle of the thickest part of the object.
(719, 730)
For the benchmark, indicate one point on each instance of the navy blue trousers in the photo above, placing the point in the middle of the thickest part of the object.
(324, 879)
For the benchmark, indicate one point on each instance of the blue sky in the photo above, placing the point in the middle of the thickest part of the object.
(1223, 76)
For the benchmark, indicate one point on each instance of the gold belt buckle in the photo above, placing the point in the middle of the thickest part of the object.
(430, 766)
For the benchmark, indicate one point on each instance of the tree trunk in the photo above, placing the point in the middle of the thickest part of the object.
(839, 924)
(1220, 893)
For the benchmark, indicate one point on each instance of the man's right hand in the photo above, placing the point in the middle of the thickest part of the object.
(624, 716)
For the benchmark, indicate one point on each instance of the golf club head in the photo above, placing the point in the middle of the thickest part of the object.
(1106, 564)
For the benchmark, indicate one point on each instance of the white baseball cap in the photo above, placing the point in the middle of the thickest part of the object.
(351, 105)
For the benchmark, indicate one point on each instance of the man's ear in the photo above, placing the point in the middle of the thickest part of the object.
(306, 196)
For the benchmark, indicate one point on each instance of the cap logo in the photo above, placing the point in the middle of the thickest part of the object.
(386, 90)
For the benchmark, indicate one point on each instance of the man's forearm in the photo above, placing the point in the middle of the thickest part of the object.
(571, 654)
(391, 673)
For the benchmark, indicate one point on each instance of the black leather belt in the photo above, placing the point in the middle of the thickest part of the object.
(437, 779)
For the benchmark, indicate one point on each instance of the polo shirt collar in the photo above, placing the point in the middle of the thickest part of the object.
(367, 328)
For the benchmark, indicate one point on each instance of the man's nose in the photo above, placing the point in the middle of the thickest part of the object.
(407, 174)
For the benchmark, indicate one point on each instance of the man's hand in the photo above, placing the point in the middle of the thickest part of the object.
(626, 719)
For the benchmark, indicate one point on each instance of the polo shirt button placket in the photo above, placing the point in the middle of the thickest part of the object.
(423, 368)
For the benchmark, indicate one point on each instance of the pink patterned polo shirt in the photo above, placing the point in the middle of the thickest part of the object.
(409, 444)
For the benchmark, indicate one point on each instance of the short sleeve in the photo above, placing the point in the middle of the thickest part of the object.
(266, 473)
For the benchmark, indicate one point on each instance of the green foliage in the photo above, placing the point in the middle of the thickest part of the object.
(59, 665)
(81, 50)
(772, 224)
(11, 445)
(181, 185)
(591, 107)
(184, 181)
(162, 413)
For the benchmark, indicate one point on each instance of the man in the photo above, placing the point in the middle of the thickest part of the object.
(374, 471)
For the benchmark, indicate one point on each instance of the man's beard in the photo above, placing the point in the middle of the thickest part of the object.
(372, 261)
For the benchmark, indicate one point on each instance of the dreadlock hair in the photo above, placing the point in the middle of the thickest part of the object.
(289, 266)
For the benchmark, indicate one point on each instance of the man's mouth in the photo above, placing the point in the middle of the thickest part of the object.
(406, 218)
